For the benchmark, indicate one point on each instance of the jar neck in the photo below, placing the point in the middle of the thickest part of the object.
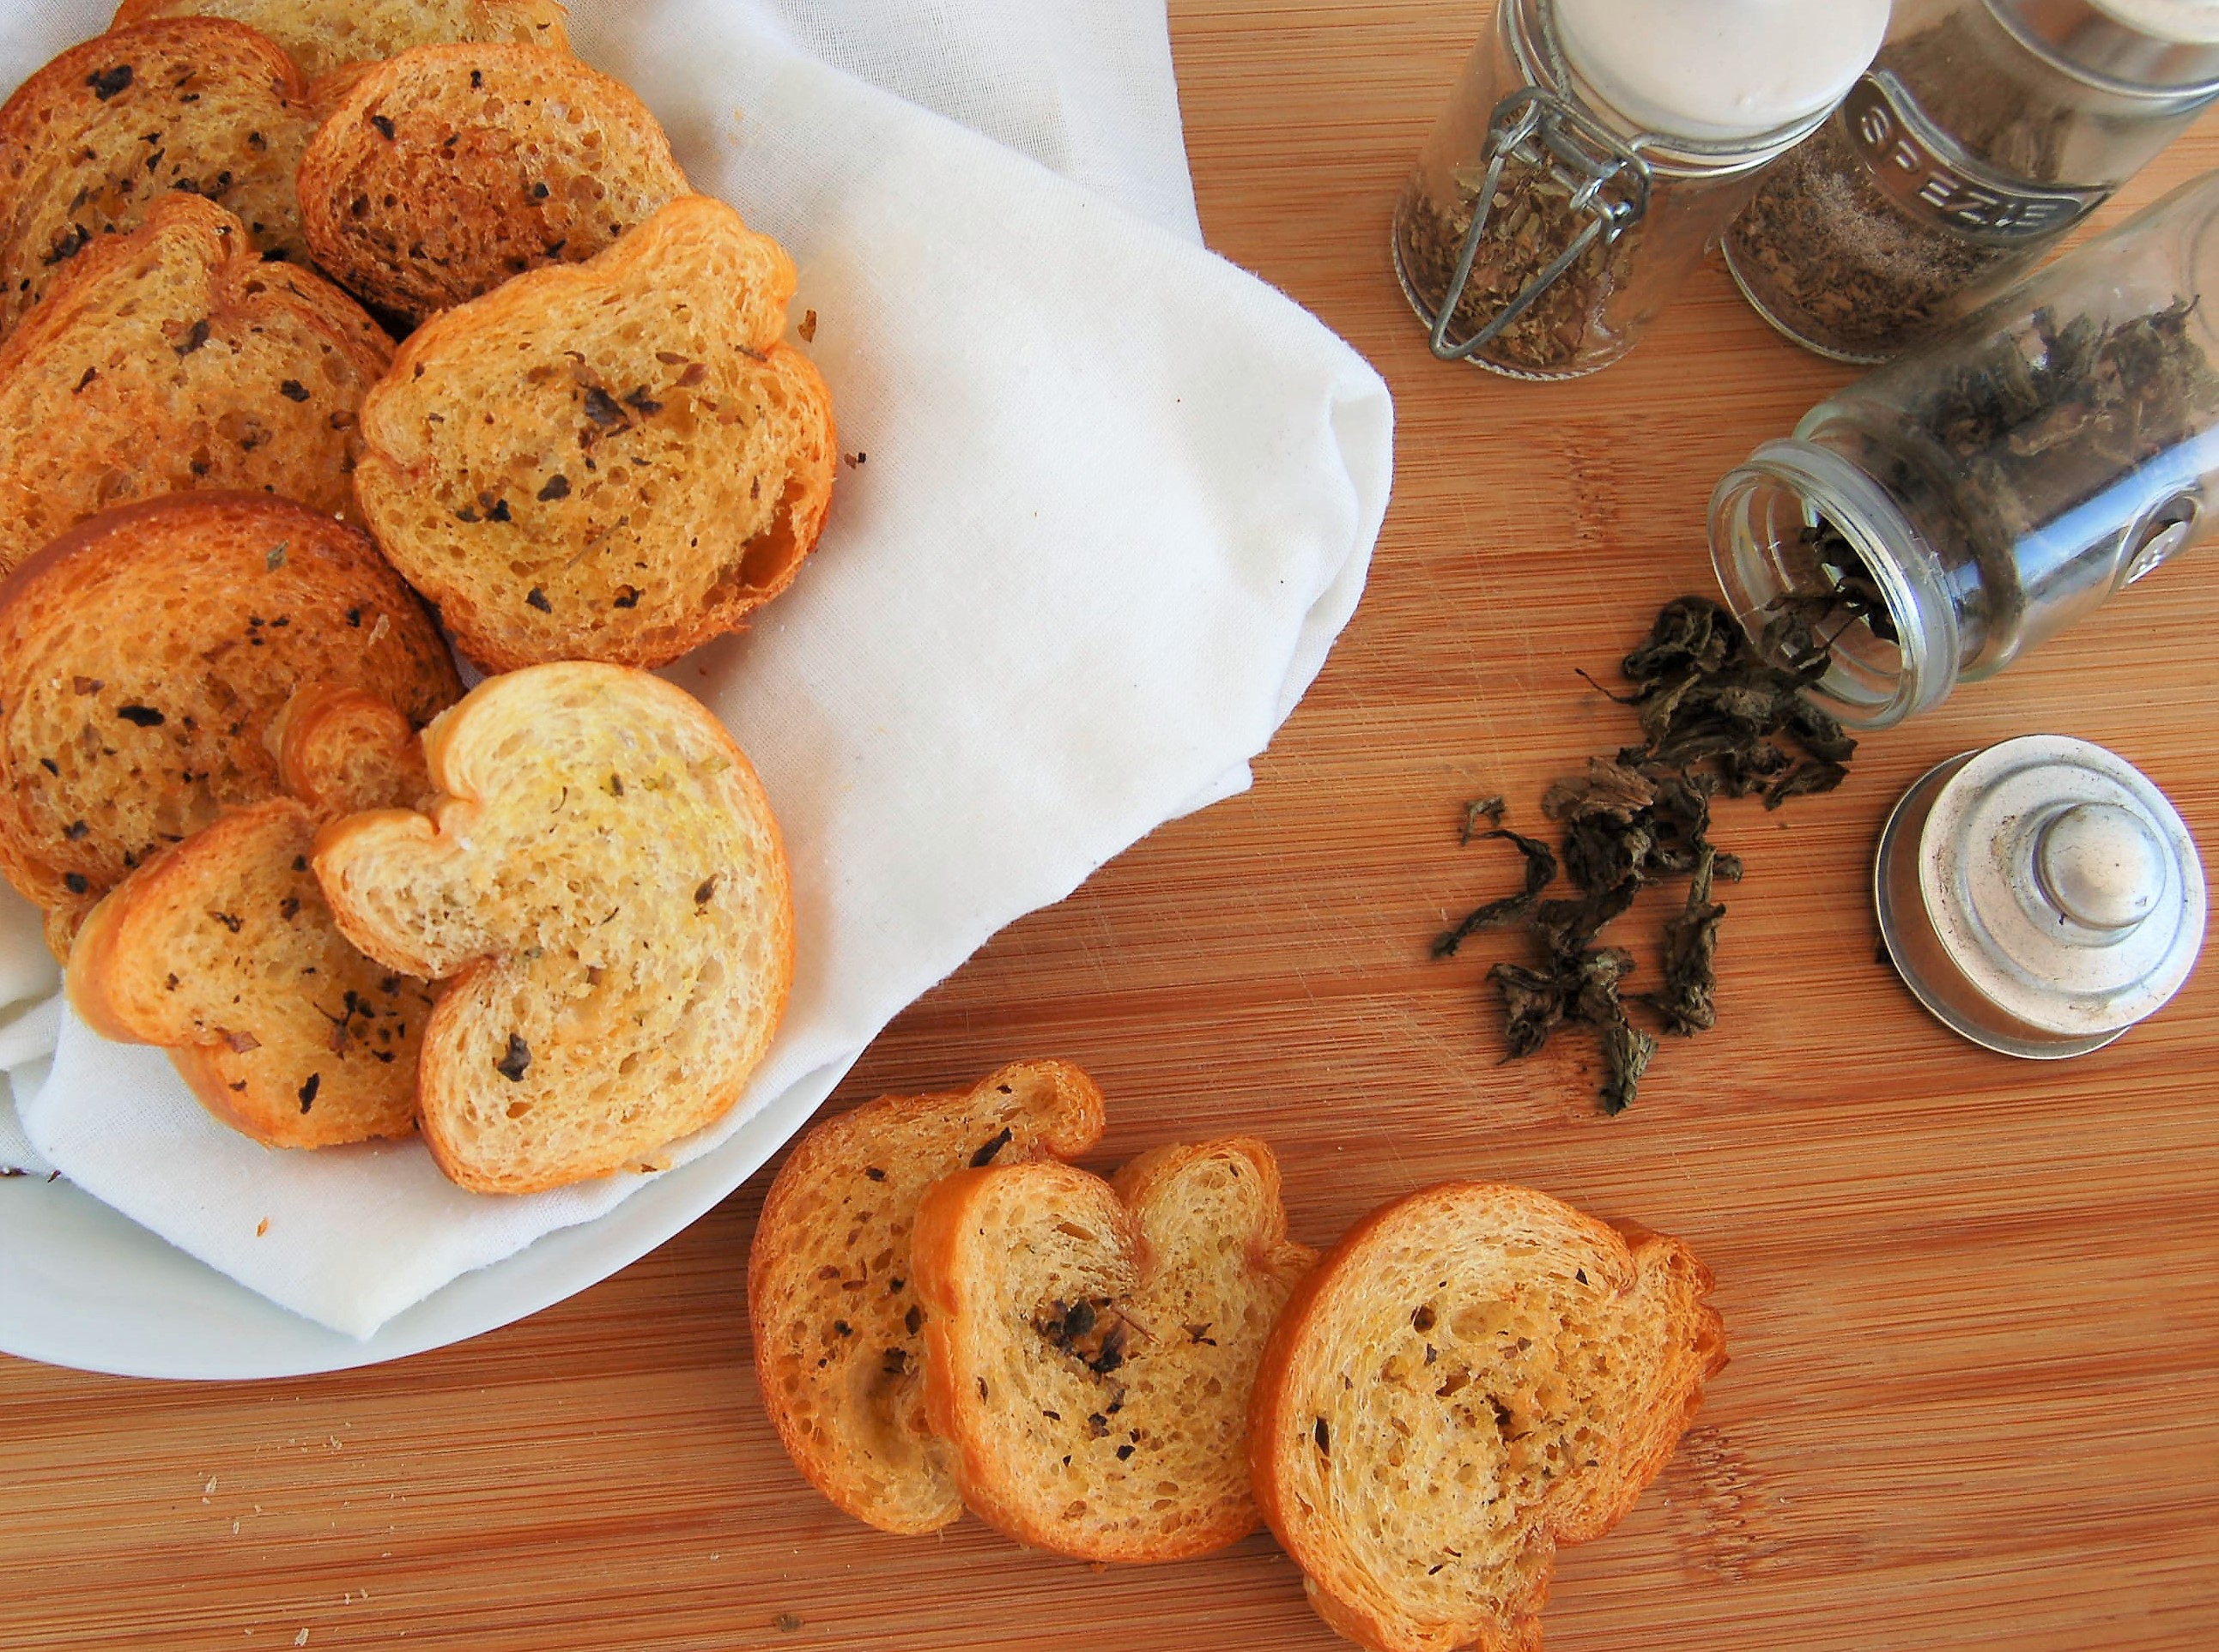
(1530, 28)
(1791, 583)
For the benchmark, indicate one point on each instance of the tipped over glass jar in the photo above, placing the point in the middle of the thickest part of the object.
(1591, 150)
(1932, 523)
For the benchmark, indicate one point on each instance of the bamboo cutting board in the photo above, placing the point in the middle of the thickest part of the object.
(1972, 1303)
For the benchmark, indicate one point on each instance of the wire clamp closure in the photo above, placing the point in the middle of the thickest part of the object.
(1609, 184)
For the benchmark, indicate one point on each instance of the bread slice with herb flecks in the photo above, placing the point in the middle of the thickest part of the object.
(1089, 1347)
(837, 1324)
(174, 359)
(448, 170)
(221, 948)
(660, 464)
(1475, 1376)
(324, 37)
(142, 656)
(601, 884)
(91, 141)
(342, 751)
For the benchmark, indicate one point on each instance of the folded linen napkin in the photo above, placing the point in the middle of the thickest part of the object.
(1109, 501)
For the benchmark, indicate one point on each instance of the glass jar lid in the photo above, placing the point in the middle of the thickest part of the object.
(1719, 70)
(1593, 79)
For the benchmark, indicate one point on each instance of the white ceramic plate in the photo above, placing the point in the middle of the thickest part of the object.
(84, 1286)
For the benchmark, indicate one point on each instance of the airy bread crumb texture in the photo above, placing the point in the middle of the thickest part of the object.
(341, 751)
(1475, 1376)
(128, 724)
(615, 461)
(91, 141)
(1090, 1348)
(603, 880)
(322, 36)
(176, 358)
(223, 950)
(837, 1322)
(445, 172)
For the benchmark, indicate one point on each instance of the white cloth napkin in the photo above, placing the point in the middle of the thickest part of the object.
(1111, 500)
(28, 1023)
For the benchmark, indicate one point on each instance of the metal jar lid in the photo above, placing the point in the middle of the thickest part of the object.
(2040, 897)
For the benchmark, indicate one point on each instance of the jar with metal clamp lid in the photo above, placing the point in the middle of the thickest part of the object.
(1590, 152)
(1984, 131)
(1935, 520)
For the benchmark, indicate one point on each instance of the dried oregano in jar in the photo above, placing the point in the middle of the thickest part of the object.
(1531, 219)
(1984, 131)
(1591, 149)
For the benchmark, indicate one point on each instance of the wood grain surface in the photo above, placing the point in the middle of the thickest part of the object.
(1972, 1302)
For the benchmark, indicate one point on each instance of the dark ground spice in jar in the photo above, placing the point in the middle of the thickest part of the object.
(1837, 260)
(1839, 265)
(1529, 223)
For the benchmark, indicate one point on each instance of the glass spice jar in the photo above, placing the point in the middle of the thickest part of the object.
(1589, 153)
(1984, 131)
(1935, 520)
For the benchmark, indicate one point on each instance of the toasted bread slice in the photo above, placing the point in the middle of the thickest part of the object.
(839, 1349)
(142, 655)
(341, 751)
(1089, 1348)
(89, 143)
(1474, 1376)
(442, 174)
(222, 949)
(660, 462)
(174, 359)
(604, 882)
(324, 36)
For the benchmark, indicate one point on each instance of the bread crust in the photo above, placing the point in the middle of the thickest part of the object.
(440, 175)
(567, 1044)
(341, 751)
(329, 37)
(848, 1405)
(1309, 1510)
(530, 535)
(324, 1056)
(94, 389)
(79, 811)
(110, 127)
(1149, 1420)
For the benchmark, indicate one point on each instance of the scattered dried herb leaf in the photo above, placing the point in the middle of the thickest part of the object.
(1715, 717)
(985, 1155)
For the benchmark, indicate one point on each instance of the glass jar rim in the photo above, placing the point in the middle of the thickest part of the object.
(1538, 46)
(1747, 552)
